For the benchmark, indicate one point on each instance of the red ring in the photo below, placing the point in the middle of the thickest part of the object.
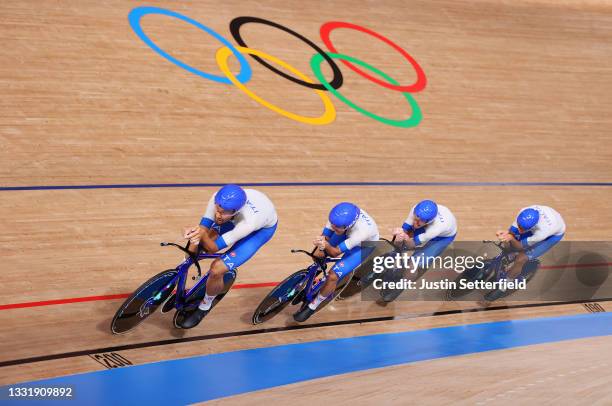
(421, 81)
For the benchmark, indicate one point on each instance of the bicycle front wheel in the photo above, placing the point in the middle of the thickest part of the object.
(473, 274)
(280, 296)
(144, 301)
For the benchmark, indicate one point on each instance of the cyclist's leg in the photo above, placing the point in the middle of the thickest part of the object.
(332, 277)
(532, 253)
(349, 261)
(516, 271)
(543, 247)
(234, 257)
(237, 255)
(425, 255)
(422, 258)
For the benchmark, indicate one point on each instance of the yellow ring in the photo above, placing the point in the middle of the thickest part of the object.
(328, 115)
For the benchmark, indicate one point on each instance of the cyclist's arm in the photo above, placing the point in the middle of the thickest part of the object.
(408, 231)
(241, 230)
(203, 231)
(514, 238)
(331, 250)
(209, 215)
(327, 231)
(539, 235)
(516, 244)
(356, 238)
(207, 240)
(521, 243)
(431, 231)
(204, 228)
(407, 226)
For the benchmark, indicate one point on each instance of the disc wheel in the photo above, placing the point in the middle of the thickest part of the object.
(196, 297)
(279, 297)
(470, 275)
(144, 301)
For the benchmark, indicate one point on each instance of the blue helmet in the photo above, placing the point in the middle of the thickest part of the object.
(344, 214)
(528, 218)
(231, 197)
(426, 210)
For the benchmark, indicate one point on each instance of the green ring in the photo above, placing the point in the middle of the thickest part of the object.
(412, 121)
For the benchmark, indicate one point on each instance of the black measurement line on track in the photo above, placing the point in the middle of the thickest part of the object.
(278, 329)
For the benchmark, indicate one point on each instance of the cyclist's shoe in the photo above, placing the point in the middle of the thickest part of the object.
(495, 295)
(303, 314)
(194, 318)
(392, 275)
(367, 280)
(389, 295)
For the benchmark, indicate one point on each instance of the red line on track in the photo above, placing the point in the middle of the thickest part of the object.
(110, 297)
(241, 286)
(593, 265)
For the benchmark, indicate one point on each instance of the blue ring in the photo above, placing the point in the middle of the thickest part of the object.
(136, 15)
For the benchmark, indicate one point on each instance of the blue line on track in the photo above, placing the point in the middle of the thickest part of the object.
(207, 377)
(297, 184)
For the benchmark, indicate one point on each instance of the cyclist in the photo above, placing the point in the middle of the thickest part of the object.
(430, 228)
(242, 219)
(535, 231)
(347, 228)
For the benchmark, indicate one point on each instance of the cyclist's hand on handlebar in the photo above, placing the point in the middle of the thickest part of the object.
(187, 231)
(319, 254)
(504, 236)
(319, 242)
(397, 231)
(401, 237)
(193, 234)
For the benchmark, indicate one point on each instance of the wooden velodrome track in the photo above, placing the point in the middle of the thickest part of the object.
(518, 91)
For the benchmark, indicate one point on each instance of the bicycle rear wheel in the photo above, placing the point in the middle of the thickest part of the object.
(342, 285)
(530, 269)
(144, 301)
(394, 276)
(528, 272)
(196, 297)
(483, 273)
(280, 296)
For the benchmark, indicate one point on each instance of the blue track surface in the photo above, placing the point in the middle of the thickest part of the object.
(209, 377)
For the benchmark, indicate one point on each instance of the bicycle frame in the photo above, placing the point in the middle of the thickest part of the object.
(312, 288)
(503, 259)
(321, 263)
(183, 271)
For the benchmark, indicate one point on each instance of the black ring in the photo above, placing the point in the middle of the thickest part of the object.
(238, 22)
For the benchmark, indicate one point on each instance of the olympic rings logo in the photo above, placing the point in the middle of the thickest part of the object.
(360, 67)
